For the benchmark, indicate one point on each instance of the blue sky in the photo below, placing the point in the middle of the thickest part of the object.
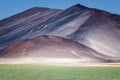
(11, 7)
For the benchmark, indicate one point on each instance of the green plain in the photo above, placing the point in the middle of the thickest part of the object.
(38, 72)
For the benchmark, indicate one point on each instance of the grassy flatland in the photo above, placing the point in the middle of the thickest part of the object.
(37, 72)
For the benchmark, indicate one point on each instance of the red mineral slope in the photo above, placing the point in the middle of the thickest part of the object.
(53, 47)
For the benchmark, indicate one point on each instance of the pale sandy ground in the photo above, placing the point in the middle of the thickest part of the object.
(92, 64)
(56, 62)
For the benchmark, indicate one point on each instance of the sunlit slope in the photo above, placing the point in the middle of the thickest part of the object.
(96, 29)
(48, 47)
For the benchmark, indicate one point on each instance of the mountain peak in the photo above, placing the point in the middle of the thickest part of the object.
(79, 6)
(37, 9)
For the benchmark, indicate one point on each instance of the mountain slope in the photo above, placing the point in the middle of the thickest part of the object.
(53, 47)
(96, 29)
(14, 27)
(91, 27)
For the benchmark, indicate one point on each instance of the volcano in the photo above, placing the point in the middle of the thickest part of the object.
(78, 32)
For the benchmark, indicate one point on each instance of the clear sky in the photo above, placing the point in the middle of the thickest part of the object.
(11, 7)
